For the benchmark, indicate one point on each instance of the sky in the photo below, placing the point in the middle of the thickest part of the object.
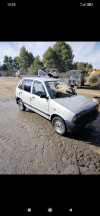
(83, 51)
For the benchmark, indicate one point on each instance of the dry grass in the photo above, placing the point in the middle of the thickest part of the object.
(8, 86)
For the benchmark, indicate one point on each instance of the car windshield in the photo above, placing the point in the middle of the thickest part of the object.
(59, 89)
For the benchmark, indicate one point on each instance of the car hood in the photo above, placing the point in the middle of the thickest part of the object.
(77, 103)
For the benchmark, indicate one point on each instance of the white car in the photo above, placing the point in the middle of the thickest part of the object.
(57, 101)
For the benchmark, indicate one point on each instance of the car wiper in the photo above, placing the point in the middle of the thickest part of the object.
(70, 93)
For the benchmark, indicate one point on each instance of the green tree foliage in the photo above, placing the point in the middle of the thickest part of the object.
(26, 59)
(8, 62)
(16, 62)
(50, 59)
(82, 66)
(30, 59)
(4, 67)
(60, 56)
(65, 55)
(37, 64)
(23, 63)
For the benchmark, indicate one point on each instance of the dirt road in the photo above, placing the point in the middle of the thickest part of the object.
(29, 145)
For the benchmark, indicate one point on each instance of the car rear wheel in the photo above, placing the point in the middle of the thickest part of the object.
(21, 105)
(59, 125)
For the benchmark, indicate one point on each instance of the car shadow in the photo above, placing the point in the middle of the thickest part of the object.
(28, 110)
(89, 135)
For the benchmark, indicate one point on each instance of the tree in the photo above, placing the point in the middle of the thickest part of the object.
(35, 66)
(30, 59)
(50, 58)
(4, 67)
(60, 56)
(65, 55)
(23, 63)
(17, 62)
(8, 62)
(82, 66)
(26, 59)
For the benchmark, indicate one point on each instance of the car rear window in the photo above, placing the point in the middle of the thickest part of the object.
(25, 85)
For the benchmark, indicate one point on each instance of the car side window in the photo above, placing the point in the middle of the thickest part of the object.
(38, 88)
(27, 85)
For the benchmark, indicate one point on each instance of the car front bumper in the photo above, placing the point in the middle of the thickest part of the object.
(73, 127)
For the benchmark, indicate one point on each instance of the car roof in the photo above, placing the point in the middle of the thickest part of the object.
(41, 78)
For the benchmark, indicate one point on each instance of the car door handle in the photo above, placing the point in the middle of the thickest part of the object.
(33, 97)
(20, 93)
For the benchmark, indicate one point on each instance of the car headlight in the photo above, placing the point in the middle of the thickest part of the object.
(76, 117)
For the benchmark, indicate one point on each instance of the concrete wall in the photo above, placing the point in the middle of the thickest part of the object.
(3, 73)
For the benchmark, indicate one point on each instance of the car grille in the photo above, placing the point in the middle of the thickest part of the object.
(88, 115)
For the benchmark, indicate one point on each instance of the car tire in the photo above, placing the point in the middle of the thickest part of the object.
(59, 125)
(21, 105)
(94, 80)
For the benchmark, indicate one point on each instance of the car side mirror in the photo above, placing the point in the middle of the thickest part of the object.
(43, 96)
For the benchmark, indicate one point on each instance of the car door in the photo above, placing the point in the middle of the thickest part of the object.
(39, 105)
(25, 91)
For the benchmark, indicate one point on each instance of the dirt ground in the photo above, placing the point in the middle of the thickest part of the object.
(29, 145)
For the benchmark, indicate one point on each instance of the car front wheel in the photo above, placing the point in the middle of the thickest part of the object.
(21, 105)
(59, 125)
